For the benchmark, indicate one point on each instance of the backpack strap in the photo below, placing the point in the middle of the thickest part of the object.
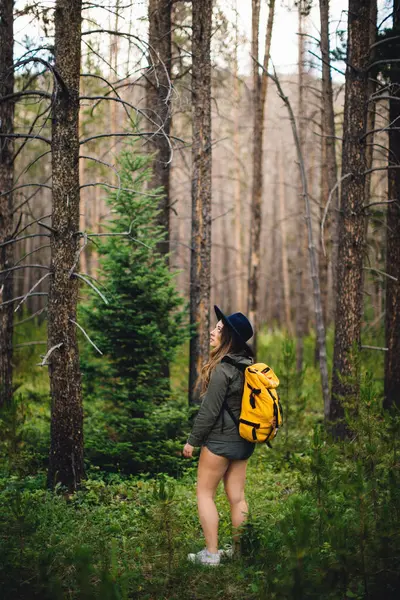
(241, 368)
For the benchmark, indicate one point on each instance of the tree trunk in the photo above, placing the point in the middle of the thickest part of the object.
(6, 204)
(283, 229)
(392, 318)
(200, 267)
(328, 164)
(301, 305)
(66, 452)
(159, 106)
(239, 299)
(349, 305)
(259, 98)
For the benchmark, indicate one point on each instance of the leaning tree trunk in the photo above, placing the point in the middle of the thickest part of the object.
(6, 206)
(200, 266)
(159, 94)
(260, 83)
(392, 319)
(349, 302)
(328, 163)
(66, 452)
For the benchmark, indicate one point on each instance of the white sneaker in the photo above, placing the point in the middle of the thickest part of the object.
(226, 552)
(204, 557)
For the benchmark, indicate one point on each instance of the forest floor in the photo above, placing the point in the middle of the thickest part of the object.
(311, 505)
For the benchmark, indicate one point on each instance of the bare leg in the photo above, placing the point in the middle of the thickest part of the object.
(234, 482)
(210, 472)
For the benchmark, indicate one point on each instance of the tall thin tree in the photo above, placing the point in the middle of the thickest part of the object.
(159, 105)
(349, 302)
(260, 83)
(328, 161)
(392, 318)
(200, 266)
(6, 204)
(66, 452)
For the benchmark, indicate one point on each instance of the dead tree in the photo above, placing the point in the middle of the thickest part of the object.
(66, 452)
(158, 92)
(6, 204)
(201, 193)
(259, 98)
(392, 316)
(328, 160)
(351, 250)
(312, 250)
(301, 317)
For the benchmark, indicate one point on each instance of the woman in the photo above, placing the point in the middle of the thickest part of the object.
(224, 454)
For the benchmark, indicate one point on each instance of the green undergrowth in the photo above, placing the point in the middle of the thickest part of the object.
(323, 516)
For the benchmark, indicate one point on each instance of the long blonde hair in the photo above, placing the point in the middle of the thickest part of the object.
(229, 343)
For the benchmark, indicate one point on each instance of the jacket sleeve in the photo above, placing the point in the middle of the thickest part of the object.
(211, 406)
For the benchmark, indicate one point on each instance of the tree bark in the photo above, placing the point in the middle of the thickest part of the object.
(328, 164)
(239, 268)
(159, 106)
(259, 99)
(66, 452)
(301, 305)
(283, 230)
(6, 203)
(349, 305)
(392, 318)
(200, 267)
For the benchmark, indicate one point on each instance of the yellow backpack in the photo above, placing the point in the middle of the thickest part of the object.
(261, 412)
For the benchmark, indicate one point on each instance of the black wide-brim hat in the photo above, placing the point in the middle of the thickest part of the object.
(239, 324)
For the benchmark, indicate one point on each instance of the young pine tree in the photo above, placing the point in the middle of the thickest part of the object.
(142, 323)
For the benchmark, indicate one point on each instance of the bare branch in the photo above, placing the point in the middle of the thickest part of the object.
(333, 190)
(32, 288)
(24, 344)
(24, 267)
(27, 93)
(380, 272)
(91, 285)
(32, 252)
(24, 237)
(382, 202)
(25, 136)
(116, 187)
(374, 348)
(19, 298)
(87, 337)
(45, 358)
(18, 187)
(36, 314)
(78, 253)
(142, 134)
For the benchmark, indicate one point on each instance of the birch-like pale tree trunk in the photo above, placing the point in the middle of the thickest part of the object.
(392, 317)
(66, 452)
(200, 266)
(6, 199)
(349, 302)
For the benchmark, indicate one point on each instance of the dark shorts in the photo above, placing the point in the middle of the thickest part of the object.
(241, 450)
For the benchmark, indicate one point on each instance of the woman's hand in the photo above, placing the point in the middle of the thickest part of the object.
(188, 451)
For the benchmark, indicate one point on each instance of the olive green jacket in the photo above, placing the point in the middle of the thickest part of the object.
(213, 423)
